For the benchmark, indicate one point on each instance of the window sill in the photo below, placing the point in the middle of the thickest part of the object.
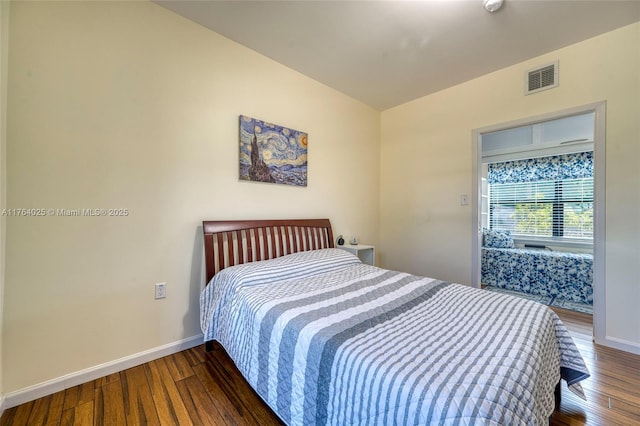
(556, 244)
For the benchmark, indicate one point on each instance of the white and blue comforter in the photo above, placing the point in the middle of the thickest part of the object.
(325, 339)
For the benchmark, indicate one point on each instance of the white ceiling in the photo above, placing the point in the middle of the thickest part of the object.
(385, 53)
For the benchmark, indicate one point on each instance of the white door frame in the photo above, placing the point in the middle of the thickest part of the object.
(599, 265)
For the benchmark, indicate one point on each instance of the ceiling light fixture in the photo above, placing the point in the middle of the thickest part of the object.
(492, 5)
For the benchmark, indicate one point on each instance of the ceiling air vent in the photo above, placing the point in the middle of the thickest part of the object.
(541, 78)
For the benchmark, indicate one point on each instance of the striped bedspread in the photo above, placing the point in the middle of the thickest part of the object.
(325, 339)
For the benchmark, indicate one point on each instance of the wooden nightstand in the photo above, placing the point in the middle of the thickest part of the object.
(367, 254)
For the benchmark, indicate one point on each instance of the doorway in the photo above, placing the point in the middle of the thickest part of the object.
(497, 147)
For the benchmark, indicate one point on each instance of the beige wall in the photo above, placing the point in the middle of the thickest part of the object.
(126, 105)
(4, 44)
(426, 163)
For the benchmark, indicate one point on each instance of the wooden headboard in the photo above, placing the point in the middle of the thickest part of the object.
(234, 242)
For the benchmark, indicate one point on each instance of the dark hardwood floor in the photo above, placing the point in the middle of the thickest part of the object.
(194, 387)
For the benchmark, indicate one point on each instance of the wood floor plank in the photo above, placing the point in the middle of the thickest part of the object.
(40, 410)
(195, 355)
(169, 405)
(55, 409)
(200, 406)
(107, 380)
(17, 416)
(139, 407)
(237, 390)
(80, 415)
(179, 366)
(109, 405)
(78, 395)
(232, 409)
(68, 417)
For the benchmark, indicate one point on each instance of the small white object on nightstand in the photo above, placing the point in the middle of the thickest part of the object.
(367, 254)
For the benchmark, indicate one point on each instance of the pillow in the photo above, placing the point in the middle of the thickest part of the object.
(497, 239)
(292, 266)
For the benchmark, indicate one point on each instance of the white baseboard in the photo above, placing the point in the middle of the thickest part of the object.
(49, 387)
(621, 344)
(1, 406)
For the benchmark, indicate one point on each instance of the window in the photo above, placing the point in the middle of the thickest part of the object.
(562, 208)
(549, 197)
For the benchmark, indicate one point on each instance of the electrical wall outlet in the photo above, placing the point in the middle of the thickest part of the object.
(161, 290)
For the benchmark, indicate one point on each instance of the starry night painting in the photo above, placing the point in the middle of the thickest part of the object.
(272, 153)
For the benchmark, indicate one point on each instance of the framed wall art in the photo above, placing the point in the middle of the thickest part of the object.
(272, 153)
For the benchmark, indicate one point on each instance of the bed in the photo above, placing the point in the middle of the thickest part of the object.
(326, 339)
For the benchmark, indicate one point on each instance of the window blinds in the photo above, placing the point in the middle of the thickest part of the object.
(561, 208)
(543, 197)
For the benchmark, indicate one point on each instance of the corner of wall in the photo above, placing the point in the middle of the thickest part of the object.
(4, 47)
